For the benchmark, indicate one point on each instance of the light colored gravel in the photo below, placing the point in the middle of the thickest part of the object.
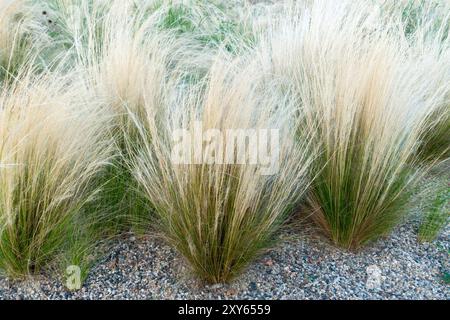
(298, 269)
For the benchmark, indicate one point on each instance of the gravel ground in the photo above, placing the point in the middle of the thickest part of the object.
(393, 268)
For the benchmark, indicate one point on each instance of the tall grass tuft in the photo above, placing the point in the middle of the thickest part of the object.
(52, 144)
(361, 89)
(219, 216)
(126, 65)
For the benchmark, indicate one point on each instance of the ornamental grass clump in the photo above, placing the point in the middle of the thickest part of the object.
(220, 214)
(360, 88)
(52, 144)
(127, 67)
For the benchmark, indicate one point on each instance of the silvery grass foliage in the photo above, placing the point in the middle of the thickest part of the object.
(138, 72)
(426, 26)
(360, 87)
(219, 216)
(122, 47)
(52, 144)
(131, 61)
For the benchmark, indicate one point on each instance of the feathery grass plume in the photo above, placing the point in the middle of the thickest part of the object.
(132, 60)
(430, 40)
(52, 144)
(220, 214)
(360, 87)
(104, 41)
(133, 63)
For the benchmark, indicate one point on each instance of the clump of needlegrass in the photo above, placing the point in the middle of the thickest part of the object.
(112, 46)
(128, 63)
(219, 216)
(426, 25)
(360, 87)
(52, 144)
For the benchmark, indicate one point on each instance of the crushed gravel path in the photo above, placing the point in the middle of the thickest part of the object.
(397, 267)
